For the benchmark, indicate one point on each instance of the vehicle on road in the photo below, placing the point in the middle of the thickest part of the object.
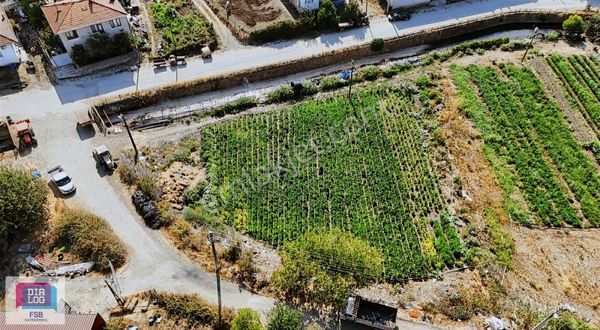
(398, 16)
(61, 180)
(103, 156)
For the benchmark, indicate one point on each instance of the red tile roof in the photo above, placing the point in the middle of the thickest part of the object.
(72, 322)
(7, 34)
(69, 15)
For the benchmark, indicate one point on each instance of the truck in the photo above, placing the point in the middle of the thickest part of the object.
(104, 158)
(61, 180)
(376, 315)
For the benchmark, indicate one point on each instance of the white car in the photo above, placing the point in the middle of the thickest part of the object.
(62, 180)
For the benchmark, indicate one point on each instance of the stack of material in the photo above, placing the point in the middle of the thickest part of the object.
(147, 209)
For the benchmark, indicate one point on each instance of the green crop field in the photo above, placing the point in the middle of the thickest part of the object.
(363, 167)
(544, 173)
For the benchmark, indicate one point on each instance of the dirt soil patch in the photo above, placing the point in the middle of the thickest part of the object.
(249, 15)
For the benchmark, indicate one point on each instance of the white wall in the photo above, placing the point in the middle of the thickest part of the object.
(8, 55)
(306, 5)
(393, 4)
(85, 32)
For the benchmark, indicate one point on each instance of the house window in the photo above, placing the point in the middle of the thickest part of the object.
(97, 28)
(72, 35)
(115, 22)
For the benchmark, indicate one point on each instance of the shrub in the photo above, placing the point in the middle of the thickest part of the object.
(592, 27)
(467, 47)
(80, 55)
(281, 94)
(327, 16)
(309, 88)
(351, 11)
(369, 73)
(180, 229)
(441, 56)
(246, 269)
(377, 44)
(280, 30)
(89, 238)
(574, 26)
(246, 319)
(552, 36)
(193, 309)
(127, 173)
(514, 45)
(194, 194)
(239, 105)
(395, 69)
(331, 83)
(22, 203)
(233, 252)
(423, 81)
(282, 317)
(146, 183)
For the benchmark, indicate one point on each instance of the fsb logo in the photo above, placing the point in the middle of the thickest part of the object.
(36, 296)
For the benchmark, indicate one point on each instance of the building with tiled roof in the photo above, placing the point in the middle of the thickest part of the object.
(8, 41)
(75, 20)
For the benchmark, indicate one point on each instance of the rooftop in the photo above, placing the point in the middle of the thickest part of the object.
(7, 34)
(69, 15)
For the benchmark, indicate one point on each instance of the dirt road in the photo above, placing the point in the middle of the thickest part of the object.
(152, 262)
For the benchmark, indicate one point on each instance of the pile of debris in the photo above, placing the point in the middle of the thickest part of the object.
(147, 209)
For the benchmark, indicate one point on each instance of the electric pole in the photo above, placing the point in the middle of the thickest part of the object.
(535, 33)
(130, 137)
(211, 239)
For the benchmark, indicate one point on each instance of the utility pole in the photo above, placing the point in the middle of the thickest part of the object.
(137, 79)
(130, 138)
(535, 33)
(350, 81)
(211, 239)
(563, 307)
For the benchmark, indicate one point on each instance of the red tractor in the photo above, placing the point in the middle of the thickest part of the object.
(24, 132)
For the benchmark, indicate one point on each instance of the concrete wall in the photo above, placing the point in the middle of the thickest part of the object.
(394, 4)
(8, 55)
(85, 32)
(132, 101)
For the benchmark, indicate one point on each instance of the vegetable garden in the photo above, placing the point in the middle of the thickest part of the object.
(529, 144)
(363, 167)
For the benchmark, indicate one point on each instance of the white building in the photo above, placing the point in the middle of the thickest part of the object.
(396, 4)
(75, 20)
(8, 42)
(306, 5)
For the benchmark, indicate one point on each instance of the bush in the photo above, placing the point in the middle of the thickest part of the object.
(127, 173)
(239, 105)
(515, 45)
(552, 36)
(146, 183)
(22, 203)
(395, 69)
(246, 269)
(233, 252)
(180, 229)
(281, 94)
(574, 26)
(351, 11)
(246, 319)
(423, 81)
(592, 27)
(441, 56)
(377, 44)
(327, 17)
(89, 238)
(331, 83)
(280, 30)
(194, 194)
(193, 309)
(467, 47)
(80, 55)
(282, 317)
(309, 88)
(369, 73)
(314, 280)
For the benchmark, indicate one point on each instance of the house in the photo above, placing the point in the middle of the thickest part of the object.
(75, 20)
(396, 4)
(72, 322)
(9, 54)
(311, 5)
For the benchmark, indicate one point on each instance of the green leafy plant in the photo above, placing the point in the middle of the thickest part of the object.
(377, 44)
(574, 26)
(246, 319)
(282, 317)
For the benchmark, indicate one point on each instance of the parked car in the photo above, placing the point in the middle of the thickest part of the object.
(398, 16)
(62, 180)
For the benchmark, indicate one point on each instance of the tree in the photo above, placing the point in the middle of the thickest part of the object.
(282, 317)
(574, 26)
(246, 319)
(592, 27)
(327, 16)
(322, 268)
(22, 203)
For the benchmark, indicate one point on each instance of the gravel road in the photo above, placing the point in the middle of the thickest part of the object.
(152, 261)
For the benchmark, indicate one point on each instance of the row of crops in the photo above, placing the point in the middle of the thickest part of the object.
(363, 167)
(580, 76)
(530, 147)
